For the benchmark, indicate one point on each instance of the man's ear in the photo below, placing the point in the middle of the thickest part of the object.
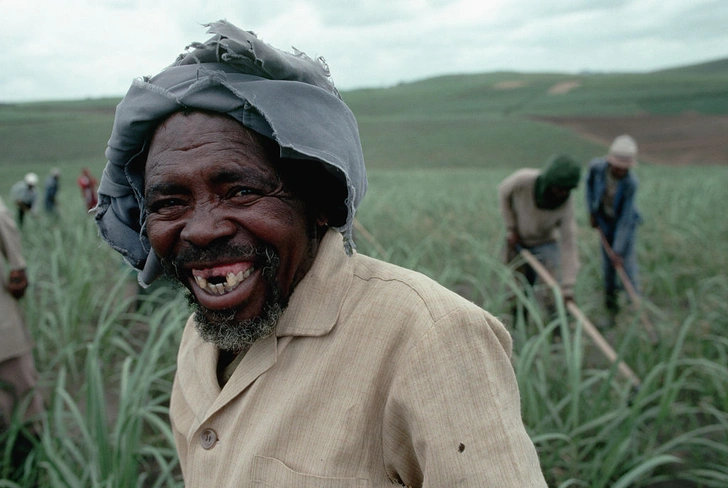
(322, 218)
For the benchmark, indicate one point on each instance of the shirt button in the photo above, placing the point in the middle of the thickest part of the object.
(208, 438)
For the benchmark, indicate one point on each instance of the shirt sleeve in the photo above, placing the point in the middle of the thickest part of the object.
(505, 202)
(453, 416)
(10, 244)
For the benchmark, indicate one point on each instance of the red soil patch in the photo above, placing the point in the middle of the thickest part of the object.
(679, 140)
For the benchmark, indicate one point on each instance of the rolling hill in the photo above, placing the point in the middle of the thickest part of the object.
(718, 66)
(501, 119)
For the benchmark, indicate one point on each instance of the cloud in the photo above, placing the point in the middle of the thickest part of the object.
(90, 48)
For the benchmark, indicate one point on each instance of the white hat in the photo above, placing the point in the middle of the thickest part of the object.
(623, 152)
(31, 179)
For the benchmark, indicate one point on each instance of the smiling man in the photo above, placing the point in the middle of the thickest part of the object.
(226, 225)
(237, 172)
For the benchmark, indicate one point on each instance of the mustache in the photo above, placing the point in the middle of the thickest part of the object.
(221, 251)
(218, 252)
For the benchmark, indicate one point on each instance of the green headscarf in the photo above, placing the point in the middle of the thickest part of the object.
(561, 171)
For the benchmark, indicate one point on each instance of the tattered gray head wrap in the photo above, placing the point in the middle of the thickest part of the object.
(289, 98)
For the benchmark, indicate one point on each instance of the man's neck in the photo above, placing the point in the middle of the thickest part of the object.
(227, 362)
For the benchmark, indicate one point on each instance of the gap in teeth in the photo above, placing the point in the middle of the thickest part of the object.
(231, 282)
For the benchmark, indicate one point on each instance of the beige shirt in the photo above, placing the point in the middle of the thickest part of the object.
(536, 226)
(14, 337)
(376, 374)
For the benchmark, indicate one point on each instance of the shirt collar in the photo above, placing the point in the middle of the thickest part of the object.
(316, 302)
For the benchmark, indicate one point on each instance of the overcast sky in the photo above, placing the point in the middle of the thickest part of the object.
(71, 49)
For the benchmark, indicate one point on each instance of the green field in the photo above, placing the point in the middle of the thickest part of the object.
(436, 151)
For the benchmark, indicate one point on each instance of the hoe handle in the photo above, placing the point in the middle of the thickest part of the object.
(633, 295)
(589, 328)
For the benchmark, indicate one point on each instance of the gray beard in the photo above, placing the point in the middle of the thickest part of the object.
(222, 329)
(228, 334)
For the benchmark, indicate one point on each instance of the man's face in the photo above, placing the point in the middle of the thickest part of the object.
(558, 193)
(221, 220)
(620, 170)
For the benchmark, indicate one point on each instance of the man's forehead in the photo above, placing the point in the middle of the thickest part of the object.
(190, 129)
(214, 136)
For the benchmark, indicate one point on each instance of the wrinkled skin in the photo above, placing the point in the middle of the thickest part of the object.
(218, 208)
(621, 168)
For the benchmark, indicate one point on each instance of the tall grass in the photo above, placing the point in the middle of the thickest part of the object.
(591, 428)
(107, 357)
(131, 444)
(107, 353)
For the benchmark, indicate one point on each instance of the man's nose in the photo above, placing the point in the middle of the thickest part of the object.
(207, 223)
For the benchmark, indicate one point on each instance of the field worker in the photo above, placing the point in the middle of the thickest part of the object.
(24, 194)
(611, 187)
(87, 184)
(52, 183)
(18, 376)
(304, 363)
(538, 212)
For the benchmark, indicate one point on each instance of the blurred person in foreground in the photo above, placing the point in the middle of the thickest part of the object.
(538, 211)
(52, 184)
(237, 170)
(24, 194)
(18, 376)
(611, 188)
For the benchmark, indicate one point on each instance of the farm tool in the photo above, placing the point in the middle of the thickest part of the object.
(629, 288)
(594, 334)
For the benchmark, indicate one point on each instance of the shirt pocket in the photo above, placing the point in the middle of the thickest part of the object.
(271, 472)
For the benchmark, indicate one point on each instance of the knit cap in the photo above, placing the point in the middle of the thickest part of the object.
(562, 171)
(623, 152)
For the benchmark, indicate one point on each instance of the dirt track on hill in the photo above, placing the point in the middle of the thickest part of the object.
(677, 140)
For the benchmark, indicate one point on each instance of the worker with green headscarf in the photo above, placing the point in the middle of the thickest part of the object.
(538, 212)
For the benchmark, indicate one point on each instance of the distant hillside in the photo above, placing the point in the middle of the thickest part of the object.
(516, 119)
(719, 66)
(550, 94)
(502, 119)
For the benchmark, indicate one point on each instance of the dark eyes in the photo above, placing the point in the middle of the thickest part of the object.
(238, 195)
(159, 205)
(245, 195)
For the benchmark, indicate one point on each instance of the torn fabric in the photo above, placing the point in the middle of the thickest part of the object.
(289, 98)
